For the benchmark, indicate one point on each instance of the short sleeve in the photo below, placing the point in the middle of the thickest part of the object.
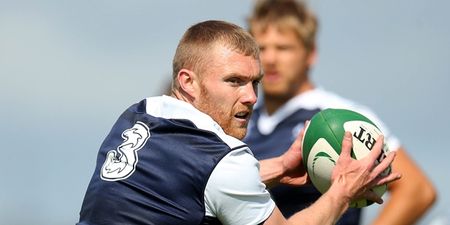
(235, 193)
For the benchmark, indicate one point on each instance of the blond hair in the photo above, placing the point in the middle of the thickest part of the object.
(197, 42)
(286, 15)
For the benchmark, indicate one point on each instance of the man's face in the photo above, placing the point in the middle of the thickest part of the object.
(284, 59)
(228, 89)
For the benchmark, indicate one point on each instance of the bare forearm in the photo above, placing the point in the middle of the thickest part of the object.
(326, 210)
(398, 211)
(410, 197)
(271, 170)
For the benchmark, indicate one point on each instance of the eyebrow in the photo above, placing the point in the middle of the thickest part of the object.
(245, 77)
(260, 76)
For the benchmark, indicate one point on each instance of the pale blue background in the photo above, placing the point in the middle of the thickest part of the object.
(69, 68)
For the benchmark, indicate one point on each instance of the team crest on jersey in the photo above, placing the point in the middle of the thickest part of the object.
(121, 162)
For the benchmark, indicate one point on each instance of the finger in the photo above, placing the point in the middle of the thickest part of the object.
(307, 123)
(377, 148)
(372, 196)
(384, 164)
(346, 144)
(302, 132)
(299, 140)
(387, 179)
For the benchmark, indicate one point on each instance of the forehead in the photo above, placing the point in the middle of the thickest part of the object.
(224, 61)
(272, 30)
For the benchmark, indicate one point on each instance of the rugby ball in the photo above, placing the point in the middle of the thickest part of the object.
(322, 144)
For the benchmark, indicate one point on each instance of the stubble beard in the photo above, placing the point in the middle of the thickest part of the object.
(211, 107)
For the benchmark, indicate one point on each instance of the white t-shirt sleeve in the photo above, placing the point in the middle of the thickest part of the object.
(235, 193)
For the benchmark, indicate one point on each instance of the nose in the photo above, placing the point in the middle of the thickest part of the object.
(268, 56)
(249, 94)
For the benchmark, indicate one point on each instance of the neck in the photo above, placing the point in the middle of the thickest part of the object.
(181, 95)
(273, 102)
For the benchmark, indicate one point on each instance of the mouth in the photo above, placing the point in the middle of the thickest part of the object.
(271, 76)
(243, 115)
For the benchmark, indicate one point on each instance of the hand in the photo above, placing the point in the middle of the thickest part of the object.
(292, 161)
(355, 178)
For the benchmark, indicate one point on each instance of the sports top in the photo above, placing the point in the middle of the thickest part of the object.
(164, 162)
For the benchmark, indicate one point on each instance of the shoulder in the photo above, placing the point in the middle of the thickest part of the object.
(322, 99)
(238, 162)
(235, 193)
(170, 108)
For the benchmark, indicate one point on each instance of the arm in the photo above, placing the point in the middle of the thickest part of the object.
(399, 209)
(326, 210)
(351, 179)
(287, 168)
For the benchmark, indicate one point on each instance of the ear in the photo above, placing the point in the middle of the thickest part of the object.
(187, 80)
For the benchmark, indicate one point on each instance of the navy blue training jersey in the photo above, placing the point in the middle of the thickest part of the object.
(270, 136)
(160, 168)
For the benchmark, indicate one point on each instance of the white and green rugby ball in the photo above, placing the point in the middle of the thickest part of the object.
(322, 144)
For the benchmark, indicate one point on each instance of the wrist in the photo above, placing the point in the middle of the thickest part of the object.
(338, 197)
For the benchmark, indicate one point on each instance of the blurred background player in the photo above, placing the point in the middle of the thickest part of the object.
(286, 33)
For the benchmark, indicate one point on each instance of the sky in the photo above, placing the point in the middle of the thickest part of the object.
(68, 69)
